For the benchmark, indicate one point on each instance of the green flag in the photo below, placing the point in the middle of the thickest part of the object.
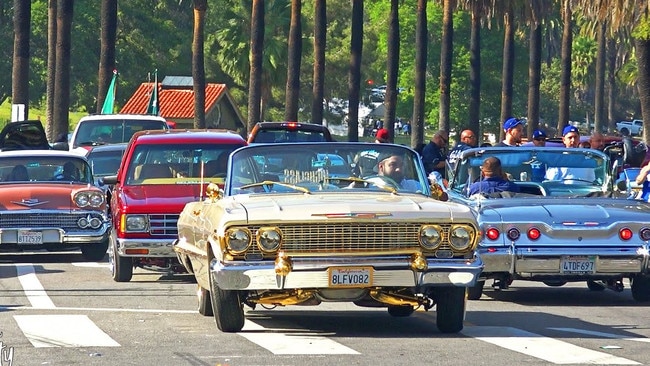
(109, 102)
(152, 107)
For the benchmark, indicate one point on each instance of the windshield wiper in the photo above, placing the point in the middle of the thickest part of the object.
(269, 183)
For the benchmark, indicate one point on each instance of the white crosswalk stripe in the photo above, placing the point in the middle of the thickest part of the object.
(63, 331)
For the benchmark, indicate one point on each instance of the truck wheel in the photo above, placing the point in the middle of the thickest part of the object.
(94, 252)
(450, 309)
(205, 302)
(625, 131)
(400, 311)
(121, 267)
(641, 288)
(475, 292)
(595, 286)
(227, 309)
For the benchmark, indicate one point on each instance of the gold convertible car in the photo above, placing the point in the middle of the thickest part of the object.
(305, 223)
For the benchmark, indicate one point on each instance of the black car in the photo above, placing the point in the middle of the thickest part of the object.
(25, 135)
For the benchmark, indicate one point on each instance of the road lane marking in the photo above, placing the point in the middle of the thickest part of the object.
(32, 287)
(602, 334)
(292, 344)
(545, 348)
(92, 264)
(63, 331)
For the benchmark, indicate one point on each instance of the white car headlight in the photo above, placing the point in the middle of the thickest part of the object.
(81, 199)
(238, 240)
(88, 198)
(96, 199)
(269, 239)
(136, 223)
(430, 236)
(461, 237)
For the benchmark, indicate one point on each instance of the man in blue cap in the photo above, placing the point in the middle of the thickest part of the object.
(514, 129)
(570, 136)
(539, 138)
(571, 139)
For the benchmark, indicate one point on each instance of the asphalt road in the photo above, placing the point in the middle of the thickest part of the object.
(56, 309)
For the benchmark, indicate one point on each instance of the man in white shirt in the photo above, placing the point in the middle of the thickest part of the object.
(570, 138)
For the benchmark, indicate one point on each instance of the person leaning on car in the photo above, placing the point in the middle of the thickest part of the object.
(467, 141)
(494, 180)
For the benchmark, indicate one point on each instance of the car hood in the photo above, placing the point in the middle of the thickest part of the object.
(14, 197)
(325, 206)
(564, 210)
(160, 198)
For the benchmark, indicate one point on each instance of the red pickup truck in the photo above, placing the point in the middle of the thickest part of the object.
(161, 171)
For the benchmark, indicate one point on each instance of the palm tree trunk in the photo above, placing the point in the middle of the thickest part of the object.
(292, 93)
(107, 50)
(62, 71)
(508, 68)
(20, 69)
(446, 59)
(534, 77)
(475, 69)
(421, 52)
(354, 74)
(51, 67)
(255, 83)
(565, 78)
(392, 67)
(198, 62)
(612, 90)
(643, 80)
(320, 36)
(599, 101)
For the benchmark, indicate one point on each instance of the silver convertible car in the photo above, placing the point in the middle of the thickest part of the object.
(565, 223)
(305, 223)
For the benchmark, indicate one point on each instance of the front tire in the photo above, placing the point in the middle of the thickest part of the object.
(205, 301)
(400, 311)
(450, 309)
(475, 292)
(641, 289)
(94, 252)
(121, 267)
(227, 309)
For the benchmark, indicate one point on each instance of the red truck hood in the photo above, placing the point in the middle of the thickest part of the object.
(168, 198)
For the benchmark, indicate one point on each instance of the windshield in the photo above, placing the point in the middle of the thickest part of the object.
(547, 172)
(104, 163)
(101, 132)
(44, 169)
(317, 167)
(179, 164)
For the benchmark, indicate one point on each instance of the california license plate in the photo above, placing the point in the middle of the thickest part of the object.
(30, 237)
(350, 276)
(578, 264)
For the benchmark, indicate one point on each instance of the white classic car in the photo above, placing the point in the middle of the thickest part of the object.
(565, 224)
(302, 223)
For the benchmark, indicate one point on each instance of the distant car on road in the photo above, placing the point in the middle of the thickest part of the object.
(634, 127)
(274, 132)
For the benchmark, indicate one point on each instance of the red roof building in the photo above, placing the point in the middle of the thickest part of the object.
(176, 103)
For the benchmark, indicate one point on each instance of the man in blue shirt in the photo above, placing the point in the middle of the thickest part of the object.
(493, 180)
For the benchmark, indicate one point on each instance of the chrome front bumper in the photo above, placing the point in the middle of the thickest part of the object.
(311, 272)
(50, 235)
(531, 262)
(160, 248)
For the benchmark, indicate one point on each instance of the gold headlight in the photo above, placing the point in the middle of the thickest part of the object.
(269, 239)
(430, 236)
(461, 237)
(238, 240)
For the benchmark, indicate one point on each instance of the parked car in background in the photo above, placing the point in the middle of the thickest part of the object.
(48, 201)
(274, 132)
(161, 171)
(634, 127)
(566, 223)
(291, 227)
(103, 129)
(105, 161)
(25, 135)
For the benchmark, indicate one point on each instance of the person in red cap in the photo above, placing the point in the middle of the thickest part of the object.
(382, 136)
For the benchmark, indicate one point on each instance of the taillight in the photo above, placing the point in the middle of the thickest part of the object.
(625, 233)
(534, 233)
(492, 233)
(513, 234)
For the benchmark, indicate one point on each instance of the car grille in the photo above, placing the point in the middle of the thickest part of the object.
(351, 237)
(66, 221)
(163, 224)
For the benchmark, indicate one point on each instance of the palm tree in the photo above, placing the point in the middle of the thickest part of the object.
(318, 83)
(477, 9)
(256, 51)
(565, 78)
(61, 113)
(446, 59)
(107, 49)
(392, 66)
(198, 62)
(600, 77)
(421, 52)
(534, 76)
(293, 70)
(354, 74)
(507, 72)
(51, 66)
(20, 71)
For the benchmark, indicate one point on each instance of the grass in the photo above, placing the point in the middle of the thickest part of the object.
(34, 113)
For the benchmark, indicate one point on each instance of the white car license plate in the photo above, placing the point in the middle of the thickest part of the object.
(578, 264)
(30, 237)
(350, 276)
